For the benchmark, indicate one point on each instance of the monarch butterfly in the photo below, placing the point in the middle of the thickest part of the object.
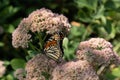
(53, 47)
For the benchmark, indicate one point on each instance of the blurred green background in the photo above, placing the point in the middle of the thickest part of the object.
(89, 18)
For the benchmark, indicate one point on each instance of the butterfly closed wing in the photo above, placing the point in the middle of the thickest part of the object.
(53, 47)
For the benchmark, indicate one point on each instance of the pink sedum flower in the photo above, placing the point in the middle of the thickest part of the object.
(37, 66)
(75, 70)
(19, 74)
(97, 51)
(39, 21)
(45, 19)
(2, 68)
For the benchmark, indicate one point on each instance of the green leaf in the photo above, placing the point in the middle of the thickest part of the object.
(115, 4)
(117, 46)
(75, 31)
(10, 29)
(65, 43)
(87, 3)
(32, 53)
(104, 1)
(116, 72)
(9, 77)
(103, 19)
(17, 63)
(4, 3)
(1, 44)
(102, 32)
(109, 76)
(99, 13)
(113, 32)
(6, 63)
(7, 12)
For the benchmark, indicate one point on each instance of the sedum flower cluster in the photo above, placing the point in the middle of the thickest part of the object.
(2, 68)
(40, 20)
(96, 51)
(75, 70)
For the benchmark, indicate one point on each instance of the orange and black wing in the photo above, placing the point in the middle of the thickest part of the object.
(52, 48)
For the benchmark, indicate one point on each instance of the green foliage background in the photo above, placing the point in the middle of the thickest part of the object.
(96, 18)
